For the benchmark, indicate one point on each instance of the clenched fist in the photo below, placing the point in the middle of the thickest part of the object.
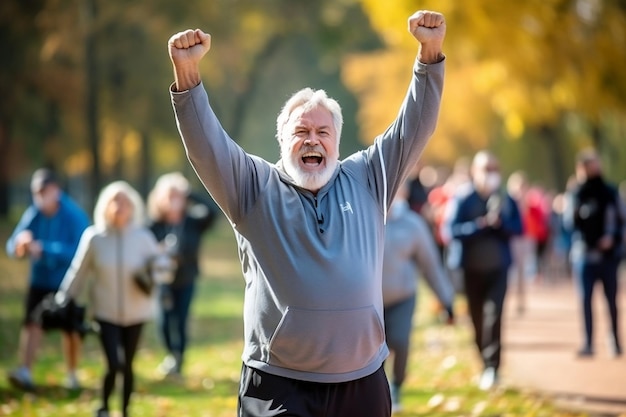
(429, 28)
(186, 49)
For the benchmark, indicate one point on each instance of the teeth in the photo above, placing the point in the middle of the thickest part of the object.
(312, 154)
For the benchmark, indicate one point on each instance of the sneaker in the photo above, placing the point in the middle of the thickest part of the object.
(21, 379)
(396, 407)
(101, 412)
(488, 379)
(169, 366)
(394, 390)
(585, 352)
(71, 382)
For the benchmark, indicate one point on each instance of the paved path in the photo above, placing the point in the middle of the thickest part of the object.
(540, 346)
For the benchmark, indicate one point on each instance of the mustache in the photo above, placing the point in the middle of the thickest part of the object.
(307, 148)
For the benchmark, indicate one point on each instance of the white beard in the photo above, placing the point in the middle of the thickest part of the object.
(308, 180)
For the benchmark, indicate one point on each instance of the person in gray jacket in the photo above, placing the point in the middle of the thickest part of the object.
(410, 253)
(310, 232)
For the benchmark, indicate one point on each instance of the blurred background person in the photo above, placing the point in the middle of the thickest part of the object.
(410, 253)
(178, 221)
(482, 222)
(418, 192)
(111, 252)
(562, 228)
(47, 234)
(439, 199)
(522, 246)
(595, 216)
(432, 179)
(530, 247)
(559, 242)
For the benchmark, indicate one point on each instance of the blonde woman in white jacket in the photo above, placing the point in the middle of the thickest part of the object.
(110, 253)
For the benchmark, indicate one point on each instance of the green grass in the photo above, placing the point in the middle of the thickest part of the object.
(441, 376)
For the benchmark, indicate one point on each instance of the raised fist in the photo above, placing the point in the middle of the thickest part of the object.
(428, 27)
(188, 47)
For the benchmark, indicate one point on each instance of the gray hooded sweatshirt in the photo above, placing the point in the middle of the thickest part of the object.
(312, 263)
(411, 253)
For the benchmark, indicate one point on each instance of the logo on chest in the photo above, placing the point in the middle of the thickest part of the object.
(345, 207)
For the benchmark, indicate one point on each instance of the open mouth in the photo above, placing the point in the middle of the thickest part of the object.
(312, 158)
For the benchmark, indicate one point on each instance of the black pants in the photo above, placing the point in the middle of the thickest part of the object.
(174, 317)
(485, 293)
(120, 345)
(587, 274)
(265, 395)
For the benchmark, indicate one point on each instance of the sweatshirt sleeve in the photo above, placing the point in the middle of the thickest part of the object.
(81, 266)
(430, 265)
(455, 225)
(24, 224)
(511, 220)
(231, 176)
(397, 150)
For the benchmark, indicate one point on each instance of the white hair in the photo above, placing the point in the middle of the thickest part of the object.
(107, 194)
(308, 99)
(164, 184)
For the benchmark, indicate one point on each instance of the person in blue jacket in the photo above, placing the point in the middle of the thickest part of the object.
(47, 234)
(481, 222)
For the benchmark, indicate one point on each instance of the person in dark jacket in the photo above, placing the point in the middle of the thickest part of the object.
(596, 220)
(179, 220)
(482, 220)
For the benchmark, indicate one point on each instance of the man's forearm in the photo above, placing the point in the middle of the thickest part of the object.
(187, 77)
(430, 54)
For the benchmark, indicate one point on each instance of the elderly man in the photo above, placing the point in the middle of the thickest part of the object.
(310, 231)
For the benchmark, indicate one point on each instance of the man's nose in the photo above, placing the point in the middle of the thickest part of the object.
(311, 140)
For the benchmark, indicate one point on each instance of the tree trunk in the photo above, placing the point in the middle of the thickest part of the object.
(555, 149)
(145, 164)
(596, 137)
(5, 198)
(91, 95)
(244, 99)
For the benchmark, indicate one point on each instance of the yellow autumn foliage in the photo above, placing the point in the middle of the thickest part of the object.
(511, 68)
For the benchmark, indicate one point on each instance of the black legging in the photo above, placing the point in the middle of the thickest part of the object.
(120, 345)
